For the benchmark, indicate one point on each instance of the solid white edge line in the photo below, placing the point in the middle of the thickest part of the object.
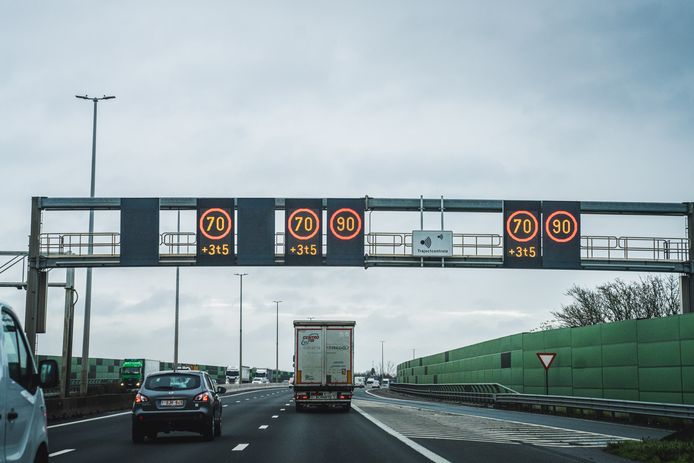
(60, 425)
(61, 452)
(409, 442)
(386, 400)
(240, 448)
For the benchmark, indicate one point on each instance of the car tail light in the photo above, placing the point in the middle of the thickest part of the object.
(203, 397)
(141, 398)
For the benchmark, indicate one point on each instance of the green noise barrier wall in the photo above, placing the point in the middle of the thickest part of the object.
(648, 360)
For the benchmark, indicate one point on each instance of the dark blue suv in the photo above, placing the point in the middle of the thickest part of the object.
(177, 401)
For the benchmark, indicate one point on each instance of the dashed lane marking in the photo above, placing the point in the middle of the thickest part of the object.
(281, 409)
(225, 405)
(263, 426)
(240, 448)
(275, 416)
(61, 452)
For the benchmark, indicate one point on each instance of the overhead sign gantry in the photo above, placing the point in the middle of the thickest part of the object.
(333, 232)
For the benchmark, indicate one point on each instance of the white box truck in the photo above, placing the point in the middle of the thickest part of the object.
(323, 359)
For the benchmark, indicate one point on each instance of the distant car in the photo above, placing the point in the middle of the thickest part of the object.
(358, 381)
(257, 381)
(177, 401)
(22, 408)
(370, 382)
(376, 384)
(386, 382)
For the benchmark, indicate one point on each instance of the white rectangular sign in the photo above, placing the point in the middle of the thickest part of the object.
(432, 243)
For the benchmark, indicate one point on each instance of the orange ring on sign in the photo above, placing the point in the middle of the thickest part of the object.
(289, 224)
(332, 227)
(202, 227)
(551, 235)
(508, 226)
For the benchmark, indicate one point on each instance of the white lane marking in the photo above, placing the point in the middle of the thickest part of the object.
(275, 416)
(281, 409)
(225, 405)
(264, 426)
(286, 405)
(88, 419)
(525, 423)
(247, 399)
(410, 443)
(240, 448)
(238, 401)
(61, 452)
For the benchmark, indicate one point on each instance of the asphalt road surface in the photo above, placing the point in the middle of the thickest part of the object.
(264, 426)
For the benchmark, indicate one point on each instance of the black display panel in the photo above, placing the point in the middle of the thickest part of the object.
(561, 238)
(215, 231)
(139, 231)
(256, 231)
(522, 234)
(303, 232)
(345, 232)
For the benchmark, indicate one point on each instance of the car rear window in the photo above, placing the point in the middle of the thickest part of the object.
(172, 382)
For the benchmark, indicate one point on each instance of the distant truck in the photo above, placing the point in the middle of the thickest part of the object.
(232, 375)
(323, 363)
(262, 375)
(134, 371)
(359, 381)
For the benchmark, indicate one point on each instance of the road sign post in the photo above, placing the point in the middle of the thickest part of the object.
(546, 359)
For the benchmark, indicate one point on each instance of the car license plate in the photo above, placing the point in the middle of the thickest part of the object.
(171, 403)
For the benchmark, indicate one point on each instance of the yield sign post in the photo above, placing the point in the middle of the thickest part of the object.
(546, 359)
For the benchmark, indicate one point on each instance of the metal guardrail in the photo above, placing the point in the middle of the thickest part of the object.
(498, 395)
(608, 405)
(472, 393)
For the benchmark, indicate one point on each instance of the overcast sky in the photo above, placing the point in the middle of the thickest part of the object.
(492, 100)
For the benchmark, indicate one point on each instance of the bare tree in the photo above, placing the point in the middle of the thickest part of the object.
(650, 297)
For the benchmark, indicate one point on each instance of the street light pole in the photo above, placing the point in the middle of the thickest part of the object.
(178, 271)
(277, 338)
(90, 249)
(240, 275)
(382, 360)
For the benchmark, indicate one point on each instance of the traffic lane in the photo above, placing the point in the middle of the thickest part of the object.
(325, 435)
(108, 438)
(579, 424)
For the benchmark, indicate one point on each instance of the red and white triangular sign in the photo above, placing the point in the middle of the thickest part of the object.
(546, 358)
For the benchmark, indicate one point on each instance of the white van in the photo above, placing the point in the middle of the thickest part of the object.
(23, 435)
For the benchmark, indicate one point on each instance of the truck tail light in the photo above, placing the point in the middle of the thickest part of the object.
(302, 397)
(141, 398)
(344, 396)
